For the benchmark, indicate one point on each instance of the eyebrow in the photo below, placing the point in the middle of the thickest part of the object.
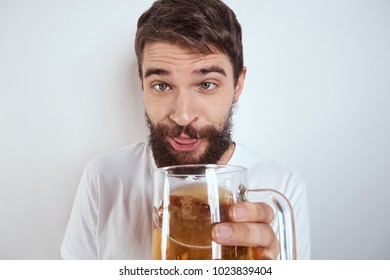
(201, 72)
(156, 71)
(211, 69)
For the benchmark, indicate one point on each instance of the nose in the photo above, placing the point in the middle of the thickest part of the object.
(184, 110)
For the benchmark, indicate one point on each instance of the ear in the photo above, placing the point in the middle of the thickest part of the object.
(240, 85)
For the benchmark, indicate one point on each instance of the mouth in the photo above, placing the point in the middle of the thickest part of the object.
(184, 143)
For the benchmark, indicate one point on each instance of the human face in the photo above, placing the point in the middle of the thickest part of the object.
(191, 96)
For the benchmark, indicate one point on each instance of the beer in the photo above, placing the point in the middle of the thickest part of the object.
(188, 235)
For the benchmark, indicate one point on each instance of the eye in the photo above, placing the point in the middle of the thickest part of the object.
(208, 85)
(161, 87)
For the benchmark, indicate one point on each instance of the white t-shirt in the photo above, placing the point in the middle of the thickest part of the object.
(112, 212)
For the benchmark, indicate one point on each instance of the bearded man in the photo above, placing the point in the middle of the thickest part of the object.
(190, 62)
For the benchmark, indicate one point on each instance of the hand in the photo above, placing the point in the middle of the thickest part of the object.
(250, 227)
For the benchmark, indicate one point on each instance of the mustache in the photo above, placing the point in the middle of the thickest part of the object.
(178, 130)
(161, 131)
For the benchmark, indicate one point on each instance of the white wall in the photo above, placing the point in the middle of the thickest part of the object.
(316, 99)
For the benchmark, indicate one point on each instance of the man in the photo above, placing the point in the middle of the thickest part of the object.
(190, 63)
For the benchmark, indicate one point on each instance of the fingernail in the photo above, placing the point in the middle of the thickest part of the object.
(223, 232)
(239, 213)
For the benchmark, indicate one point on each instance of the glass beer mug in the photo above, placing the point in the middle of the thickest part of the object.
(190, 199)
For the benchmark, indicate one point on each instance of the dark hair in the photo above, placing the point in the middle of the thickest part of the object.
(198, 24)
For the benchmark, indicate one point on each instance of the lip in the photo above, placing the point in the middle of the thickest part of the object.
(184, 143)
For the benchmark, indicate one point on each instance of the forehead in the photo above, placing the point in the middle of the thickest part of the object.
(175, 58)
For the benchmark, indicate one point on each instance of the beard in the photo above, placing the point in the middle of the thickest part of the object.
(218, 142)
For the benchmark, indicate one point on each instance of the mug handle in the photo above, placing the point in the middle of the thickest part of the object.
(284, 213)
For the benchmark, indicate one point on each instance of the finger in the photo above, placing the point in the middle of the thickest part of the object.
(244, 234)
(260, 237)
(251, 212)
(270, 253)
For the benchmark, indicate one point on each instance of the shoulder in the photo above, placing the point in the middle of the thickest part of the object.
(252, 159)
(264, 170)
(119, 160)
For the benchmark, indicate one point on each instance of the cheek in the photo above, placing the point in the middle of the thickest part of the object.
(150, 107)
(217, 110)
(156, 109)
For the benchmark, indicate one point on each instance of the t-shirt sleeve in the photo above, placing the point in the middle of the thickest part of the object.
(80, 236)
